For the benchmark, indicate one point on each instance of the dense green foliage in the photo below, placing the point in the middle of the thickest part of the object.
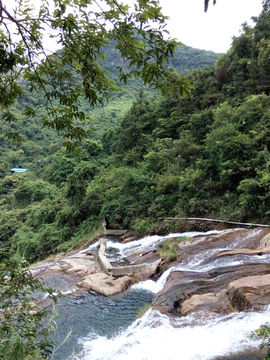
(170, 156)
(81, 29)
(49, 204)
(63, 196)
(24, 333)
(102, 117)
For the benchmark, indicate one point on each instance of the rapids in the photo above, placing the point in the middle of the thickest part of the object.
(107, 329)
(159, 337)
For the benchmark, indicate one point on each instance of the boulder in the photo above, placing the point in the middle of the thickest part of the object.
(250, 291)
(183, 285)
(106, 284)
(129, 234)
(265, 241)
(209, 302)
(129, 239)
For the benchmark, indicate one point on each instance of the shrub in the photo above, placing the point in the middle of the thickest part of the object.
(26, 242)
(168, 249)
(32, 191)
(143, 227)
(24, 333)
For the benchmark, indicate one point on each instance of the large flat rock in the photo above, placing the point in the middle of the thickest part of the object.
(209, 303)
(223, 289)
(106, 284)
(250, 291)
(79, 264)
(181, 286)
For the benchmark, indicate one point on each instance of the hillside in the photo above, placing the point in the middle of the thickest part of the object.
(40, 143)
(184, 60)
(169, 156)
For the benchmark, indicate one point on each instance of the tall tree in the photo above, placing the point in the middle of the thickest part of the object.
(81, 28)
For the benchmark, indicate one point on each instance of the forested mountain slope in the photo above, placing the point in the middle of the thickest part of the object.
(39, 142)
(184, 60)
(203, 155)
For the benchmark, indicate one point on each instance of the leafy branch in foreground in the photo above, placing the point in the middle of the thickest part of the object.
(264, 333)
(24, 327)
(206, 3)
(81, 29)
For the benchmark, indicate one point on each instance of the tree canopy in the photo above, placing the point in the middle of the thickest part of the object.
(25, 330)
(81, 29)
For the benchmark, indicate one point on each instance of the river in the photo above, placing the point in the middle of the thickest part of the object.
(107, 329)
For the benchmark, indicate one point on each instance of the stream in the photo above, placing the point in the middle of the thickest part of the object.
(107, 329)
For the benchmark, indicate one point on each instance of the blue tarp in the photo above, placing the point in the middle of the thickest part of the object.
(18, 170)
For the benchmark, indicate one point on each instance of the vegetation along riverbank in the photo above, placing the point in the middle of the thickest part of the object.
(148, 159)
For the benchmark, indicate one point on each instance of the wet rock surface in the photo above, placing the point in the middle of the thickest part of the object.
(106, 284)
(219, 273)
(250, 291)
(79, 272)
(64, 272)
(249, 355)
(209, 302)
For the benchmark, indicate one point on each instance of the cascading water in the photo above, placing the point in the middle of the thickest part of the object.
(150, 243)
(106, 328)
(159, 337)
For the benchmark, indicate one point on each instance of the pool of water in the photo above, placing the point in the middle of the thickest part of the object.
(94, 315)
(106, 328)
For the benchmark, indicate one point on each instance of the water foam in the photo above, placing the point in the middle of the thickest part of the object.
(150, 243)
(157, 337)
(153, 286)
(195, 337)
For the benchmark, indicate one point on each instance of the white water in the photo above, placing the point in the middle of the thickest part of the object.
(199, 263)
(90, 247)
(150, 243)
(153, 286)
(157, 337)
(195, 337)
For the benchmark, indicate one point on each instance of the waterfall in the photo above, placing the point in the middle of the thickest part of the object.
(199, 336)
(150, 243)
(159, 337)
(200, 263)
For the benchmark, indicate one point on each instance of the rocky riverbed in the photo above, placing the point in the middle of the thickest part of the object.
(217, 289)
(81, 271)
(232, 274)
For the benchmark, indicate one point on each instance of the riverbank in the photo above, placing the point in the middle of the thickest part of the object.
(217, 288)
(89, 269)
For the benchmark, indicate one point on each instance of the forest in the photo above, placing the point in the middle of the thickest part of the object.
(198, 147)
(53, 208)
(149, 156)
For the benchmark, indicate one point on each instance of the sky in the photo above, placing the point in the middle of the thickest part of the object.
(189, 23)
(213, 30)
